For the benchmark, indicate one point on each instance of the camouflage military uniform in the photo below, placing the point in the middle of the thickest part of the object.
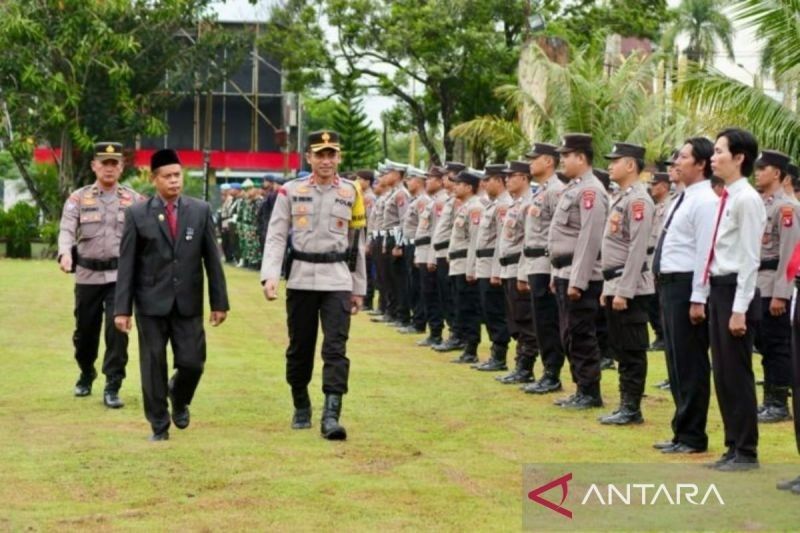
(247, 233)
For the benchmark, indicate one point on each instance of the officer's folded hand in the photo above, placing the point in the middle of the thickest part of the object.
(619, 303)
(355, 304)
(271, 289)
(777, 306)
(472, 280)
(523, 287)
(574, 294)
(697, 313)
(495, 281)
(65, 263)
(217, 318)
(737, 324)
(123, 323)
(431, 267)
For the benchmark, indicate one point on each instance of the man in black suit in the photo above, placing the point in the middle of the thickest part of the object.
(166, 242)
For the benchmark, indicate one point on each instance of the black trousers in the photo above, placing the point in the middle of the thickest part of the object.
(654, 313)
(188, 340)
(627, 335)
(774, 341)
(519, 315)
(430, 300)
(92, 302)
(305, 311)
(601, 330)
(732, 364)
(493, 309)
(796, 374)
(688, 367)
(444, 284)
(545, 323)
(398, 277)
(227, 245)
(468, 310)
(577, 323)
(414, 290)
(369, 298)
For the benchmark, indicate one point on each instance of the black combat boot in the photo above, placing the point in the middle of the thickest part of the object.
(84, 385)
(523, 372)
(496, 363)
(301, 419)
(586, 398)
(606, 363)
(330, 427)
(776, 405)
(431, 340)
(468, 356)
(111, 392)
(547, 384)
(629, 412)
(452, 344)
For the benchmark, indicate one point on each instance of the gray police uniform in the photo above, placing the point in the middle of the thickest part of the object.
(320, 282)
(413, 278)
(441, 242)
(626, 274)
(376, 252)
(424, 254)
(369, 206)
(394, 210)
(535, 269)
(92, 220)
(574, 242)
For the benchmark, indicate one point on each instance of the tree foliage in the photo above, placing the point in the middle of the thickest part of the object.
(705, 23)
(360, 148)
(74, 72)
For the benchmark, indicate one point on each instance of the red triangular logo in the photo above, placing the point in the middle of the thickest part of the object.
(535, 495)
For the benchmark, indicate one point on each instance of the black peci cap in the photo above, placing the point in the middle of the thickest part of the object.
(162, 158)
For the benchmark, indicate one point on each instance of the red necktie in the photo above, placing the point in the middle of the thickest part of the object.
(723, 198)
(172, 220)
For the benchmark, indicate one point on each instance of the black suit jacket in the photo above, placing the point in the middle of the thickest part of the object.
(158, 273)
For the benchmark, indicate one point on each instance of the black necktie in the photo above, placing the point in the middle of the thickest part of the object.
(660, 245)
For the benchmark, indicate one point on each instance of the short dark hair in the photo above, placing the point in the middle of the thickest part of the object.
(702, 150)
(639, 165)
(475, 187)
(589, 155)
(742, 142)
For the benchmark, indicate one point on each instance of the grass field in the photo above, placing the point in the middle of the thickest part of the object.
(432, 445)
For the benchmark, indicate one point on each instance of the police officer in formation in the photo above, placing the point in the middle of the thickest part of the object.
(88, 245)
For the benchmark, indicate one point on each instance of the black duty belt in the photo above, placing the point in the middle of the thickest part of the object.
(485, 252)
(330, 257)
(512, 259)
(458, 254)
(675, 277)
(97, 264)
(727, 279)
(535, 252)
(769, 264)
(422, 241)
(561, 261)
(441, 245)
(650, 250)
(614, 273)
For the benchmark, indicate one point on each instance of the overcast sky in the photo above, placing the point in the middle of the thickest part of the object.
(746, 64)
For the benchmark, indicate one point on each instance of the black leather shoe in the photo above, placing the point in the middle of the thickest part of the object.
(680, 447)
(156, 437)
(429, 341)
(561, 402)
(111, 399)
(796, 489)
(658, 345)
(772, 414)
(729, 455)
(606, 363)
(329, 425)
(788, 484)
(410, 330)
(664, 445)
(518, 376)
(492, 365)
(623, 416)
(738, 464)
(545, 385)
(380, 319)
(180, 413)
(301, 418)
(450, 345)
(83, 387)
(466, 358)
(583, 401)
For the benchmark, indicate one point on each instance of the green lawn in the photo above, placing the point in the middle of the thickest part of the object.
(432, 445)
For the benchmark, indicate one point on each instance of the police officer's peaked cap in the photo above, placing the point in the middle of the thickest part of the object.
(366, 174)
(495, 169)
(518, 166)
(435, 172)
(659, 177)
(542, 149)
(323, 140)
(454, 166)
(108, 150)
(773, 158)
(471, 176)
(164, 157)
(620, 150)
(575, 142)
(413, 172)
(393, 166)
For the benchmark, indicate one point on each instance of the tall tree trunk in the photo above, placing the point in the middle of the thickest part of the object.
(65, 163)
(30, 183)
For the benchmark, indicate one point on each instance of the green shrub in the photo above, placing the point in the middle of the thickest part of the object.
(21, 226)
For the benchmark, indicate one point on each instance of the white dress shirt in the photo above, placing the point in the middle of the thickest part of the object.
(688, 239)
(737, 249)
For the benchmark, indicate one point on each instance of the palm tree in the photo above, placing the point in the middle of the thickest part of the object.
(722, 100)
(582, 96)
(704, 23)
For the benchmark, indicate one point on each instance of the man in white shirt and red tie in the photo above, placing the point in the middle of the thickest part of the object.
(734, 303)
